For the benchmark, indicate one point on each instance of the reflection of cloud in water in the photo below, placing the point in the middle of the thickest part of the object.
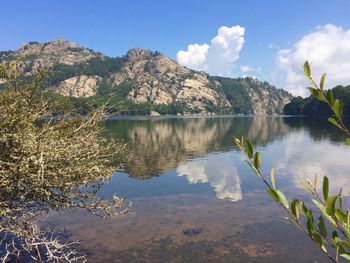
(302, 158)
(217, 170)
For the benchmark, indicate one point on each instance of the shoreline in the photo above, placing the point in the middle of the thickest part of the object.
(194, 116)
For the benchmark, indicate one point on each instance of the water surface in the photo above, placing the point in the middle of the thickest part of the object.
(186, 174)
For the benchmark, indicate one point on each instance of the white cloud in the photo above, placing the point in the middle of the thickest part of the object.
(218, 170)
(194, 57)
(327, 49)
(311, 160)
(216, 58)
(245, 69)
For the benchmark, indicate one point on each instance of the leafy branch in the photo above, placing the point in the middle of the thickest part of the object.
(326, 96)
(330, 206)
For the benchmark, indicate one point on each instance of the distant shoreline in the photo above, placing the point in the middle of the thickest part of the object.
(147, 117)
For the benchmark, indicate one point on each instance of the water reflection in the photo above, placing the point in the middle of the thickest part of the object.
(197, 180)
(302, 158)
(318, 128)
(216, 169)
(159, 145)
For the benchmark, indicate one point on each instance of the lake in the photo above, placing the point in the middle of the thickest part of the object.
(196, 200)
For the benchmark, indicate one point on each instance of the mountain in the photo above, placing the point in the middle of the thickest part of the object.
(145, 80)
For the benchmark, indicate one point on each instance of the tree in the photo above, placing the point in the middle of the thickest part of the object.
(314, 107)
(330, 206)
(295, 107)
(48, 163)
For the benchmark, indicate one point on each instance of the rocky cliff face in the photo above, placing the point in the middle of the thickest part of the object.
(265, 98)
(160, 80)
(59, 51)
(79, 86)
(32, 55)
(143, 76)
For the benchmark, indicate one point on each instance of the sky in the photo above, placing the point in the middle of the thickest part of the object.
(266, 39)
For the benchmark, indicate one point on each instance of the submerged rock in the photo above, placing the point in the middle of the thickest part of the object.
(192, 231)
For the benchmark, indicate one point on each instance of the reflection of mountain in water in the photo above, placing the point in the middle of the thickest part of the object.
(159, 145)
(216, 169)
(318, 128)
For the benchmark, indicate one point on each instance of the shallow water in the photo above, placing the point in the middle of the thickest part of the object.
(185, 176)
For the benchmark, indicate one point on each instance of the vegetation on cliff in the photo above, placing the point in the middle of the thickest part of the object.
(143, 81)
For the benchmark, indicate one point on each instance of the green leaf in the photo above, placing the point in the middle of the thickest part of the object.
(295, 208)
(249, 149)
(335, 122)
(335, 239)
(309, 182)
(322, 227)
(307, 70)
(318, 240)
(348, 141)
(291, 221)
(345, 243)
(310, 224)
(278, 196)
(338, 108)
(330, 98)
(323, 78)
(283, 198)
(330, 205)
(345, 255)
(257, 160)
(254, 169)
(323, 210)
(325, 188)
(317, 93)
(314, 91)
(272, 193)
(272, 176)
(307, 211)
(307, 188)
(238, 143)
(340, 199)
(341, 216)
(315, 181)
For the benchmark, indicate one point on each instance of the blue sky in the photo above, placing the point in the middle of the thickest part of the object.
(113, 27)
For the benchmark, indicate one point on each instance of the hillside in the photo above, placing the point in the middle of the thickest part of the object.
(311, 106)
(144, 81)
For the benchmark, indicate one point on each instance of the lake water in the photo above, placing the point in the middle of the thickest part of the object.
(195, 200)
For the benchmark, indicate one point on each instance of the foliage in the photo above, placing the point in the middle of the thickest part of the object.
(170, 109)
(335, 233)
(236, 95)
(295, 106)
(48, 163)
(313, 106)
(100, 66)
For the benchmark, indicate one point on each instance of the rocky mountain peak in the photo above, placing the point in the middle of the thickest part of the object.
(137, 54)
(59, 51)
(147, 77)
(52, 47)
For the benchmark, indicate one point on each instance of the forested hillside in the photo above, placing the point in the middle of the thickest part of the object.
(312, 106)
(141, 82)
